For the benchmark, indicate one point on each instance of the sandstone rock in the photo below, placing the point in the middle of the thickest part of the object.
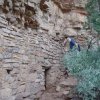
(70, 32)
(32, 77)
(66, 92)
(1, 2)
(21, 89)
(10, 4)
(6, 92)
(25, 94)
(30, 67)
(58, 88)
(71, 81)
(19, 97)
(11, 98)
(14, 71)
(6, 30)
(3, 22)
(1, 74)
(28, 99)
(35, 1)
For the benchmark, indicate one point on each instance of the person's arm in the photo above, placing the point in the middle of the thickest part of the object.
(65, 41)
(78, 47)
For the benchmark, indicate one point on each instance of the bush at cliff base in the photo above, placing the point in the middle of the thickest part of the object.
(85, 65)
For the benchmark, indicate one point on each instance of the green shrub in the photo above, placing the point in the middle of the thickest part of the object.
(85, 65)
(93, 9)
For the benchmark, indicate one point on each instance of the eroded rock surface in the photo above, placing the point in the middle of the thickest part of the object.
(31, 48)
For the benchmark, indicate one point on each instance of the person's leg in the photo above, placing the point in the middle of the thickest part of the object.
(79, 49)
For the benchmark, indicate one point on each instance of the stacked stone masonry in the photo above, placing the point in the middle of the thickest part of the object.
(31, 48)
(24, 59)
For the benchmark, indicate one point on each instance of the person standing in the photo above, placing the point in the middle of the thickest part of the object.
(72, 43)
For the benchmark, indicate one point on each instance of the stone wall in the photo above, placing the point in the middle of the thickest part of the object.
(26, 56)
(31, 48)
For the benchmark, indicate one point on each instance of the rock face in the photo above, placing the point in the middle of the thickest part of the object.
(55, 16)
(31, 50)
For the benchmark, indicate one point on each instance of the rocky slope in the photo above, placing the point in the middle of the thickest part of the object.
(31, 48)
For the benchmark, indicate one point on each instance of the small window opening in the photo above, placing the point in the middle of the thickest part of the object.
(57, 33)
(8, 71)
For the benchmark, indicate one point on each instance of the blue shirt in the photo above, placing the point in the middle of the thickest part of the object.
(72, 44)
